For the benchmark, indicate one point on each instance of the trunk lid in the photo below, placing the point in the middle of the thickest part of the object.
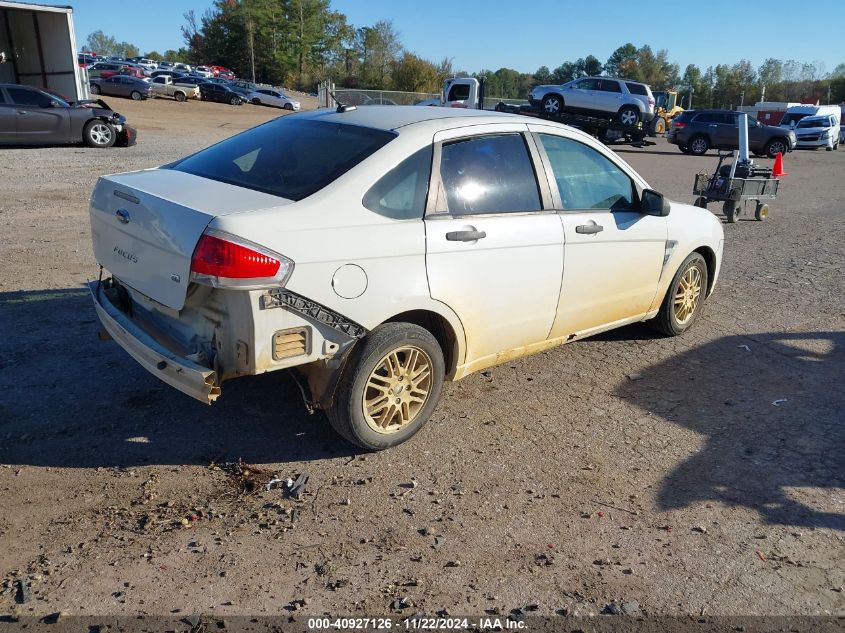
(145, 225)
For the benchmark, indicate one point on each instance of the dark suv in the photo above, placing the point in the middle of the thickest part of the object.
(696, 131)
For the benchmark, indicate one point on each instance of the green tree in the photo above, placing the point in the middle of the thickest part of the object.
(622, 62)
(592, 66)
(543, 75)
(411, 73)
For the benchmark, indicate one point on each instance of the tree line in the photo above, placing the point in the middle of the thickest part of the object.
(298, 43)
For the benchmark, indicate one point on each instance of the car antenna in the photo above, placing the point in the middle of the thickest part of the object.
(341, 107)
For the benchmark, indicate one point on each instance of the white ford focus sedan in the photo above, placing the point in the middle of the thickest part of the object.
(383, 250)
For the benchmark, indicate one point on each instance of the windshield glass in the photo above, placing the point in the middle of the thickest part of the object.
(813, 123)
(287, 157)
(791, 118)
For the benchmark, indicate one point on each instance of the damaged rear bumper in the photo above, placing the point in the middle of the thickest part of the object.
(180, 373)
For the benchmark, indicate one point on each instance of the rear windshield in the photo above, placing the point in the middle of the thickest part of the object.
(636, 89)
(287, 157)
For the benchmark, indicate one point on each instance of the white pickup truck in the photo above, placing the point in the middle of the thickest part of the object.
(163, 86)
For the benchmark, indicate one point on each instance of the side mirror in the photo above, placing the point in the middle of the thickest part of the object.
(653, 203)
(54, 104)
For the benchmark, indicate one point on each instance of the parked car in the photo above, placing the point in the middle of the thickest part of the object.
(819, 131)
(202, 71)
(629, 102)
(122, 86)
(310, 242)
(128, 71)
(218, 92)
(184, 68)
(191, 80)
(85, 60)
(696, 131)
(265, 96)
(96, 70)
(29, 116)
(173, 74)
(164, 86)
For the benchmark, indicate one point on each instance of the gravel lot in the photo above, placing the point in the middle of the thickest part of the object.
(698, 475)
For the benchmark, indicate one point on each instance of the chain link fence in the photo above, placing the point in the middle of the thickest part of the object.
(354, 97)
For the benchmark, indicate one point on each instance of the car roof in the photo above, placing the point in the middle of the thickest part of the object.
(394, 117)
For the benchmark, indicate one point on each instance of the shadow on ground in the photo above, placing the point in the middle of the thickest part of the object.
(770, 408)
(70, 400)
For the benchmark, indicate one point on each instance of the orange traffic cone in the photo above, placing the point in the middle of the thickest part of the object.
(778, 171)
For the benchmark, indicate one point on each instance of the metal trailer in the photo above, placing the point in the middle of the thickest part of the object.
(735, 192)
(39, 44)
(606, 130)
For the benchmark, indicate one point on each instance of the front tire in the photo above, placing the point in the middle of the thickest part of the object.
(628, 115)
(256, 101)
(389, 388)
(98, 133)
(761, 211)
(552, 105)
(288, 106)
(684, 300)
(699, 145)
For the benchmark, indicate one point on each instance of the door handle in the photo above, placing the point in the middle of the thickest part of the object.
(465, 236)
(21, 111)
(589, 229)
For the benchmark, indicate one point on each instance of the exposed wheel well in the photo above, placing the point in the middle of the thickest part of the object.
(709, 259)
(439, 327)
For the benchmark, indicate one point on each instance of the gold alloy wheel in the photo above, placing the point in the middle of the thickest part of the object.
(397, 389)
(687, 294)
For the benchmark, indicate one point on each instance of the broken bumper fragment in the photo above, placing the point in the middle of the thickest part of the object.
(180, 373)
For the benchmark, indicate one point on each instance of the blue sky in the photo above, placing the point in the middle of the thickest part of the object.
(525, 35)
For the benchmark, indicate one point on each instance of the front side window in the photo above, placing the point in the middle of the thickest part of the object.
(400, 194)
(286, 157)
(587, 84)
(585, 178)
(488, 174)
(30, 98)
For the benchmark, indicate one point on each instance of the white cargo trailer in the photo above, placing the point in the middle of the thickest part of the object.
(39, 46)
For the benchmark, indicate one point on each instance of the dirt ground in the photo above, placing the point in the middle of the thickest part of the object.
(697, 475)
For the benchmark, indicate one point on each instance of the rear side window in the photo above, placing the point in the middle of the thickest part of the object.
(2, 97)
(608, 85)
(287, 157)
(400, 194)
(636, 89)
(489, 174)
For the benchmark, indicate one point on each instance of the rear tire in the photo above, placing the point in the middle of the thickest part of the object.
(95, 89)
(761, 212)
(699, 145)
(136, 96)
(684, 299)
(657, 127)
(256, 101)
(180, 96)
(389, 387)
(98, 133)
(628, 115)
(776, 146)
(701, 202)
(235, 101)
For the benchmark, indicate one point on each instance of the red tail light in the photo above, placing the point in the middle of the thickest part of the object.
(223, 260)
(679, 124)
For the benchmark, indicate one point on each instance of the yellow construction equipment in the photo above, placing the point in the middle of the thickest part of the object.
(666, 107)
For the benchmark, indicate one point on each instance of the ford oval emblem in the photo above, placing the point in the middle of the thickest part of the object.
(122, 215)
